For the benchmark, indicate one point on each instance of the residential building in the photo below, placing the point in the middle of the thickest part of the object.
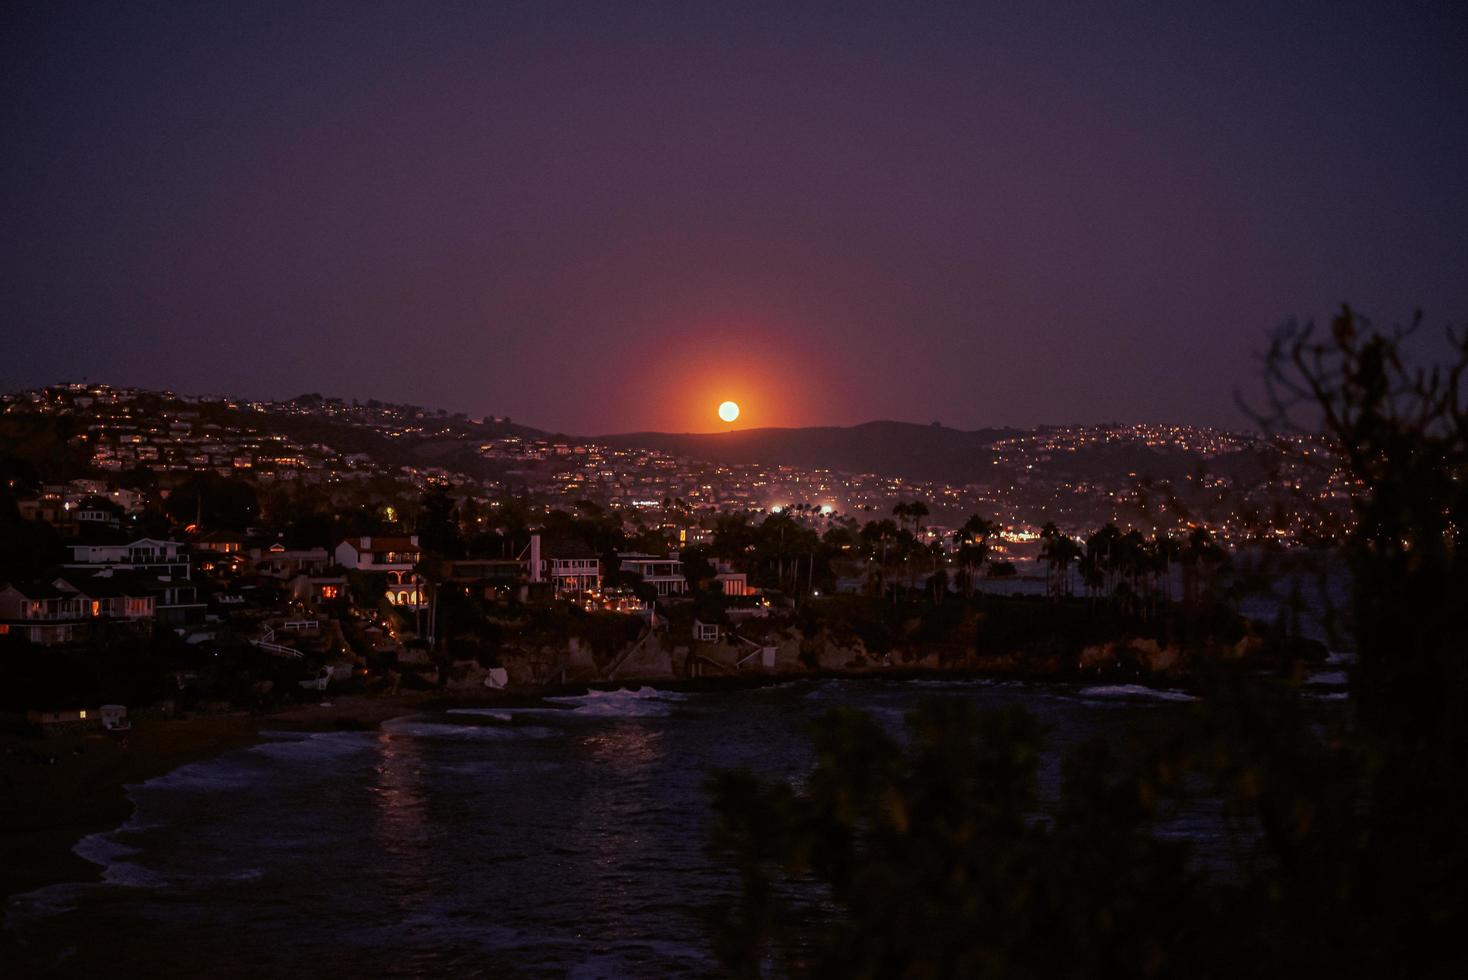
(663, 574)
(395, 556)
(167, 559)
(732, 583)
(568, 567)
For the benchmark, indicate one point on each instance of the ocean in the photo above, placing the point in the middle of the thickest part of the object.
(566, 839)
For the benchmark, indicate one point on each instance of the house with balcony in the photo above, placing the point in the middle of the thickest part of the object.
(41, 613)
(569, 567)
(71, 608)
(103, 598)
(221, 542)
(93, 513)
(395, 556)
(163, 559)
(489, 577)
(281, 562)
(573, 572)
(665, 575)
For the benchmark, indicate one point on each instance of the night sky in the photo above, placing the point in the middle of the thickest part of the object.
(612, 216)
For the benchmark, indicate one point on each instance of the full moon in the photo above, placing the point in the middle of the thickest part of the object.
(729, 411)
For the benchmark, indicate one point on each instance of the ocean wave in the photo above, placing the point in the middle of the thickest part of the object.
(208, 776)
(108, 853)
(640, 702)
(1133, 692)
(421, 728)
(826, 689)
(496, 714)
(1328, 678)
(43, 903)
(314, 746)
(965, 683)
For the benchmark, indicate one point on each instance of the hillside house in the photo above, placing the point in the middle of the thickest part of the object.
(665, 575)
(166, 559)
(395, 556)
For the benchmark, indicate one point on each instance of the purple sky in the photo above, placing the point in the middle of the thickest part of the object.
(611, 216)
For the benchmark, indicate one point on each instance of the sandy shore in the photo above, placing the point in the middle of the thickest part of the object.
(55, 791)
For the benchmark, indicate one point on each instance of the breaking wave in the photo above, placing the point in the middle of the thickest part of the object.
(1132, 692)
(313, 747)
(640, 702)
(417, 727)
(497, 715)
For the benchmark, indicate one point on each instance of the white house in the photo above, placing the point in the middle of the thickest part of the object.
(166, 559)
(567, 568)
(395, 556)
(663, 574)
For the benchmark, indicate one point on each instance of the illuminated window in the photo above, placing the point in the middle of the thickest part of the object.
(82, 715)
(328, 592)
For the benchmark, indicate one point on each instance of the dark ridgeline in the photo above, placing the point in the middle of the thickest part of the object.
(924, 857)
(918, 452)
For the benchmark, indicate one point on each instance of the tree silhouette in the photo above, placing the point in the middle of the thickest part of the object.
(931, 855)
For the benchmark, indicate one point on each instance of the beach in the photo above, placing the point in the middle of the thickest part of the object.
(56, 790)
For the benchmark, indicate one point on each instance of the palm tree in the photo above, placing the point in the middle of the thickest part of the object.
(1059, 551)
(973, 547)
(913, 511)
(940, 585)
(878, 535)
(1166, 550)
(917, 510)
(1201, 558)
(1103, 559)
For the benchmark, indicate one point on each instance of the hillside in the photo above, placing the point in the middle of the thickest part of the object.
(931, 453)
(917, 452)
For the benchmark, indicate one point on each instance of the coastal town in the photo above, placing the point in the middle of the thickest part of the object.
(189, 553)
(675, 490)
(1079, 477)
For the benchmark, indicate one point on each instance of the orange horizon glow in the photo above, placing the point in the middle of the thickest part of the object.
(771, 390)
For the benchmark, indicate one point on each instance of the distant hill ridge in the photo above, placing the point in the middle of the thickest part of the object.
(907, 449)
(933, 452)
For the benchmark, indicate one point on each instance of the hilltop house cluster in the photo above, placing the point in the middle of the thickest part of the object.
(277, 444)
(111, 581)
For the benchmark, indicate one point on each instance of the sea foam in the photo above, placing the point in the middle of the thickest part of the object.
(419, 727)
(1133, 692)
(638, 702)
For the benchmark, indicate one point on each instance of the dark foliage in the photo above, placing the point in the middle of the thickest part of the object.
(214, 502)
(934, 856)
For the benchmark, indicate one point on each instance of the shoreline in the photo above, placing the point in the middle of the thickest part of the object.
(55, 791)
(59, 790)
